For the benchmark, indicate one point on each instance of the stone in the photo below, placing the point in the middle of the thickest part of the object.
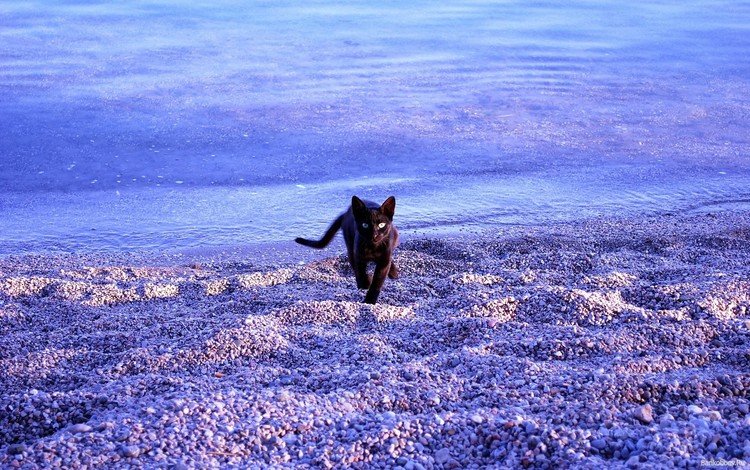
(477, 419)
(16, 449)
(667, 417)
(700, 423)
(130, 451)
(122, 434)
(644, 414)
(274, 441)
(599, 444)
(287, 380)
(104, 426)
(694, 409)
(443, 455)
(79, 428)
(634, 461)
(713, 415)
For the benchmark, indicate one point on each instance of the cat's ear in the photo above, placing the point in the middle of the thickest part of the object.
(359, 208)
(389, 207)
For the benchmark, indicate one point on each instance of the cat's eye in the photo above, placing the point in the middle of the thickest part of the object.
(365, 225)
(381, 225)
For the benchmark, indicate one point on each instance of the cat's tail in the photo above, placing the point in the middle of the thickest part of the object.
(323, 242)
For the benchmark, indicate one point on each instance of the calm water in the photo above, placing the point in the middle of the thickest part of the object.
(166, 124)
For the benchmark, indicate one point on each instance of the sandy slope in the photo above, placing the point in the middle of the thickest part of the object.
(610, 341)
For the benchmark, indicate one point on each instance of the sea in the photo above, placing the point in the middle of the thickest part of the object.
(184, 125)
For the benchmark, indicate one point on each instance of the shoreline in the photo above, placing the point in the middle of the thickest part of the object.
(609, 341)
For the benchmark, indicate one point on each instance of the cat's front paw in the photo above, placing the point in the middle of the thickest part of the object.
(364, 282)
(393, 272)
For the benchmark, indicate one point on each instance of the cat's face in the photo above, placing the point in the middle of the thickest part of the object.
(374, 225)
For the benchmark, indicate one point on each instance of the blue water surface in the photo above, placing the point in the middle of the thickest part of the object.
(173, 124)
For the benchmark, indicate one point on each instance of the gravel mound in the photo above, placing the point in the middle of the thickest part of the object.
(610, 342)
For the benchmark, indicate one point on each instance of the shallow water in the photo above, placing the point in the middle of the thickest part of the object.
(155, 125)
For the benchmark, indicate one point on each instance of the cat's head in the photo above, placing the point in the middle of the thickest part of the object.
(374, 224)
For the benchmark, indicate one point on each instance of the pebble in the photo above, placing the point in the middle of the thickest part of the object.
(433, 398)
(634, 461)
(644, 414)
(477, 419)
(287, 380)
(599, 444)
(713, 415)
(389, 416)
(442, 455)
(79, 428)
(130, 451)
(122, 434)
(700, 422)
(694, 409)
(16, 449)
(104, 426)
(666, 421)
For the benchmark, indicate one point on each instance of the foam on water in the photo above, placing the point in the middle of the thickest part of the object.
(165, 124)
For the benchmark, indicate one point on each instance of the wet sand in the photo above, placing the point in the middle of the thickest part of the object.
(616, 342)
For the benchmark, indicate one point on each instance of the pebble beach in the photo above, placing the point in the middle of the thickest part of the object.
(611, 342)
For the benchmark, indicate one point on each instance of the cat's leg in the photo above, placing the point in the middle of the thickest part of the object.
(381, 271)
(393, 271)
(360, 270)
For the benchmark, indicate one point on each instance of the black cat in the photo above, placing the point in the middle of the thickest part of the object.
(370, 235)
